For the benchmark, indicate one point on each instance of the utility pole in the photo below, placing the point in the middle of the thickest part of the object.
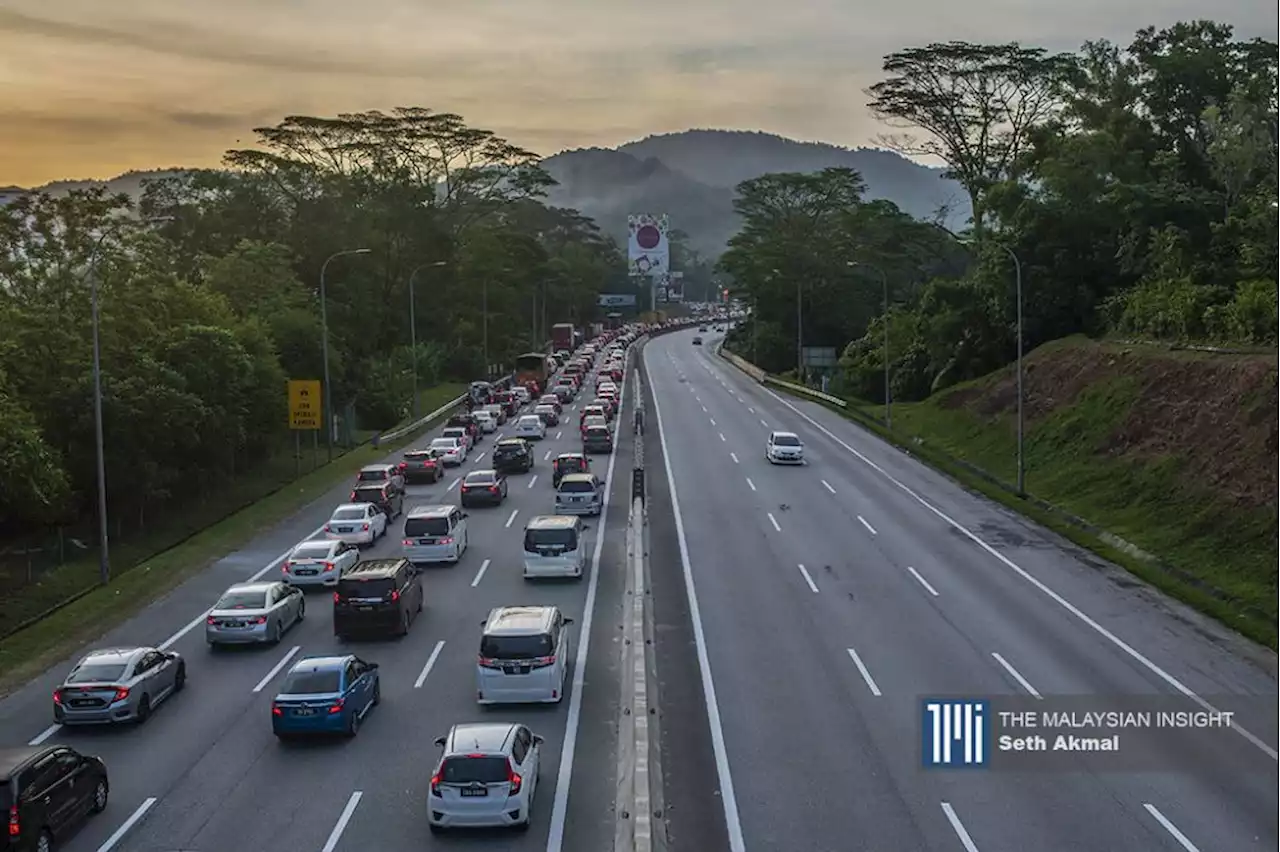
(888, 392)
(324, 347)
(413, 328)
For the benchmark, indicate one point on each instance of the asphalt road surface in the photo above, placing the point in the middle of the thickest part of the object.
(205, 774)
(829, 598)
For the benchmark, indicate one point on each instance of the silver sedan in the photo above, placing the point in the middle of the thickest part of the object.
(251, 613)
(118, 685)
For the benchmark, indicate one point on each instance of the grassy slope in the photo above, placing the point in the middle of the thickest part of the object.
(1173, 452)
(137, 584)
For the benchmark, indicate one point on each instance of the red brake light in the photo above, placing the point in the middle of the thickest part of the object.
(121, 694)
(513, 778)
(57, 696)
(365, 527)
(337, 707)
(487, 663)
(446, 540)
(337, 598)
(395, 595)
(494, 489)
(262, 619)
(408, 542)
(276, 711)
(15, 825)
(328, 566)
(353, 496)
(211, 620)
(326, 528)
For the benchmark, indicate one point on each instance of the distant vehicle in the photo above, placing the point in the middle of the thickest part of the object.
(377, 596)
(554, 546)
(356, 523)
(253, 614)
(452, 451)
(579, 494)
(552, 400)
(462, 434)
(323, 695)
(567, 463)
(381, 494)
(318, 563)
(564, 336)
(498, 410)
(548, 413)
(483, 487)
(697, 341)
(512, 455)
(784, 448)
(435, 534)
(532, 371)
(117, 685)
(487, 776)
(481, 393)
(532, 427)
(464, 421)
(597, 439)
(388, 473)
(46, 791)
(486, 420)
(418, 465)
(524, 655)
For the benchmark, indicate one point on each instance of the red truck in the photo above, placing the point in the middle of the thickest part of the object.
(563, 337)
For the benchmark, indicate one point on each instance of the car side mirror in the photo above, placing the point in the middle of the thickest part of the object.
(440, 741)
(568, 621)
(466, 515)
(538, 740)
(371, 666)
(586, 527)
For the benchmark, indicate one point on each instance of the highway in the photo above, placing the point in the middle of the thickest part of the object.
(828, 599)
(205, 772)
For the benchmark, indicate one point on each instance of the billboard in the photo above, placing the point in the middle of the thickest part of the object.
(648, 252)
(616, 300)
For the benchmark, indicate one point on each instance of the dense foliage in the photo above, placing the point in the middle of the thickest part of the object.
(210, 301)
(1135, 187)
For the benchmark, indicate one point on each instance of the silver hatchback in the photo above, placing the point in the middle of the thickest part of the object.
(253, 613)
(579, 494)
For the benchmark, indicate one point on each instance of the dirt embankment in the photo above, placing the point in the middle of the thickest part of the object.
(1213, 417)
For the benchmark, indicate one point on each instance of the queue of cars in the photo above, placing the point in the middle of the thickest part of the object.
(487, 773)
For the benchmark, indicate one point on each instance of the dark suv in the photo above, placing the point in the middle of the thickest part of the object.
(384, 495)
(377, 596)
(512, 455)
(46, 791)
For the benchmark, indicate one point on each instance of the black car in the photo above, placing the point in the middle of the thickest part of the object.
(597, 439)
(381, 494)
(697, 341)
(377, 596)
(484, 487)
(45, 793)
(421, 466)
(512, 455)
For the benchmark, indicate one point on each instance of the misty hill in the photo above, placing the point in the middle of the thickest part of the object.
(691, 176)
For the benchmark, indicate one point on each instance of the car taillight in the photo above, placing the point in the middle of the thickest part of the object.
(276, 711)
(513, 778)
(353, 496)
(211, 620)
(408, 542)
(464, 489)
(487, 663)
(337, 707)
(326, 528)
(395, 595)
(365, 527)
(15, 825)
(493, 488)
(121, 694)
(435, 784)
(57, 696)
(262, 619)
(542, 662)
(403, 465)
(337, 598)
(445, 540)
(328, 566)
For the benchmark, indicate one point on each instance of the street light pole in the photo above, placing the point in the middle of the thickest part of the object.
(484, 310)
(413, 328)
(799, 333)
(888, 392)
(324, 347)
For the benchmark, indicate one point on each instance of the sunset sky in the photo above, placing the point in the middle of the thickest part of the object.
(89, 89)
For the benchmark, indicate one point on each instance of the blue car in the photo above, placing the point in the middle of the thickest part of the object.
(325, 695)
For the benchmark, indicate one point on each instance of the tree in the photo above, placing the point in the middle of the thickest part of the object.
(976, 103)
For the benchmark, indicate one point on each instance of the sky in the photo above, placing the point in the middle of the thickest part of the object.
(90, 89)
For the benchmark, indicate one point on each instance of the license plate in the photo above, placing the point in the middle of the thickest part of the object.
(426, 541)
(575, 499)
(474, 792)
(365, 608)
(344, 529)
(233, 624)
(83, 702)
(512, 670)
(306, 572)
(304, 711)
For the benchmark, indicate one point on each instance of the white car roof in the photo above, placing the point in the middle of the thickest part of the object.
(783, 435)
(528, 418)
(360, 506)
(451, 442)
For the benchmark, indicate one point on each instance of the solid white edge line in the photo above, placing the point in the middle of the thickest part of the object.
(774, 521)
(511, 519)
(110, 842)
(532, 480)
(44, 735)
(1016, 675)
(813, 588)
(275, 670)
(1171, 828)
(862, 670)
(560, 804)
(484, 566)
(958, 827)
(431, 661)
(923, 581)
(343, 819)
(728, 797)
(870, 528)
(1124, 646)
(827, 485)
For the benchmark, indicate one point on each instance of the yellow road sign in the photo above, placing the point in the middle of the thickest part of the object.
(305, 410)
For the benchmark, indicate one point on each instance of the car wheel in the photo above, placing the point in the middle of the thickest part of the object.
(276, 634)
(377, 693)
(404, 624)
(435, 829)
(302, 610)
(144, 710)
(180, 677)
(353, 726)
(100, 795)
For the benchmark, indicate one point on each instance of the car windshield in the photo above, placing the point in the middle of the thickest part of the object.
(569, 464)
(426, 527)
(576, 486)
(311, 683)
(372, 475)
(529, 420)
(597, 432)
(544, 409)
(97, 673)
(515, 647)
(242, 600)
(367, 494)
(480, 478)
(312, 550)
(419, 455)
(351, 514)
(455, 432)
(535, 539)
(508, 449)
(365, 587)
(474, 770)
(445, 443)
(786, 441)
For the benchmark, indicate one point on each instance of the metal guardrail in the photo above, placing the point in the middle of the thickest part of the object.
(764, 378)
(396, 434)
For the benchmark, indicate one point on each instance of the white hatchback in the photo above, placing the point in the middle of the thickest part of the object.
(784, 448)
(488, 423)
(531, 426)
(486, 777)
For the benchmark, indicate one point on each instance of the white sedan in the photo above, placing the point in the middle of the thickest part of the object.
(488, 423)
(319, 563)
(452, 451)
(531, 426)
(356, 523)
(784, 448)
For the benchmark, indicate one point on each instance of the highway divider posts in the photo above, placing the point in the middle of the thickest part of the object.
(638, 799)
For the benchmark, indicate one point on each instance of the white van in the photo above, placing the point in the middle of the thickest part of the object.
(554, 546)
(435, 534)
(524, 655)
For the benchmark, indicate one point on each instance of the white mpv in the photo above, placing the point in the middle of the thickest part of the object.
(524, 656)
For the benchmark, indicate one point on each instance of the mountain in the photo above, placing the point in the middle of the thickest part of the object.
(690, 176)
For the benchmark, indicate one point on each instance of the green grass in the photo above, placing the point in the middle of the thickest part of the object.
(139, 582)
(1230, 549)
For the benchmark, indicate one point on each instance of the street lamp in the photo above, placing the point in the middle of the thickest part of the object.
(1017, 269)
(888, 394)
(104, 557)
(324, 347)
(413, 327)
